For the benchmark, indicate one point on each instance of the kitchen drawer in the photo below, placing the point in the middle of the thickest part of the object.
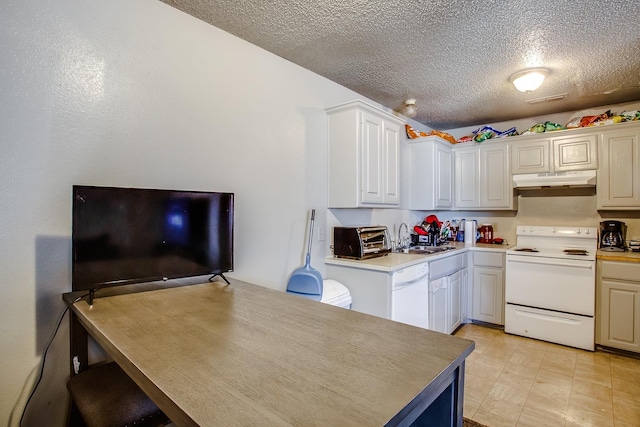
(488, 259)
(620, 270)
(446, 266)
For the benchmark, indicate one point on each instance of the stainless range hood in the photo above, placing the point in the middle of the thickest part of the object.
(555, 179)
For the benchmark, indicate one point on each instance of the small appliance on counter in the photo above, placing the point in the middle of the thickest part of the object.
(612, 235)
(486, 233)
(361, 242)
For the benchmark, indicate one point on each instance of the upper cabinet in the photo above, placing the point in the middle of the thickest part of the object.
(481, 177)
(364, 144)
(619, 175)
(554, 154)
(431, 174)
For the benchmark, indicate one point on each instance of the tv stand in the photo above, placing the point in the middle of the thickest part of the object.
(221, 275)
(92, 293)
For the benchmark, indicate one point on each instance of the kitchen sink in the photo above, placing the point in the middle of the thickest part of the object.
(429, 249)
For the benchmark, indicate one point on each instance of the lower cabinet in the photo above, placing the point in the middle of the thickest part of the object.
(447, 303)
(439, 302)
(455, 301)
(439, 299)
(488, 287)
(618, 305)
(448, 283)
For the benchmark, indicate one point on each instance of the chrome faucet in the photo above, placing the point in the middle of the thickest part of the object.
(402, 242)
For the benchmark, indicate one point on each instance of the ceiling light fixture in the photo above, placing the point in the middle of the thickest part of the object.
(529, 80)
(410, 109)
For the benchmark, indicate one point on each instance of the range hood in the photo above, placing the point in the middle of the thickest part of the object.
(555, 179)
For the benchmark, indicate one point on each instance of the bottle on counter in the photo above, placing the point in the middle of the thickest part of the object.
(460, 234)
(486, 233)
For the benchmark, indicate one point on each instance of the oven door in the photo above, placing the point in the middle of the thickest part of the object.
(564, 285)
(561, 328)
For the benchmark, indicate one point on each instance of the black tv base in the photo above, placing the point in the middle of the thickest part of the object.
(221, 275)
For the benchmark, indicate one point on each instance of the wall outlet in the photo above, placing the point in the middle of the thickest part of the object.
(320, 234)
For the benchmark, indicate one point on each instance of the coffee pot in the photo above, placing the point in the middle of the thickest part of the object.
(612, 234)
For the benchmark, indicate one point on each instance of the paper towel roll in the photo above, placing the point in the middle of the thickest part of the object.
(470, 231)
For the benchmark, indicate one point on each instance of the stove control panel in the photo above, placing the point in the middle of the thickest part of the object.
(557, 231)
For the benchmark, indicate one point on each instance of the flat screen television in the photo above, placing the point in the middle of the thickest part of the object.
(133, 235)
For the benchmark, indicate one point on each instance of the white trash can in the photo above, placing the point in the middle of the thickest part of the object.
(335, 293)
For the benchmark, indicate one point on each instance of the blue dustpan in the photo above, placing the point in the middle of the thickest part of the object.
(306, 281)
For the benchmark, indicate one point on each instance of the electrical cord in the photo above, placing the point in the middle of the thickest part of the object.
(44, 357)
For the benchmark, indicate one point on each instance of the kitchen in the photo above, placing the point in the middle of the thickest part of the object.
(118, 99)
(538, 207)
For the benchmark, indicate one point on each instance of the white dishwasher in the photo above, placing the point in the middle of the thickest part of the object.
(410, 295)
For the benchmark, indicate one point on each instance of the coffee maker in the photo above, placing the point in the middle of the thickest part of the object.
(612, 234)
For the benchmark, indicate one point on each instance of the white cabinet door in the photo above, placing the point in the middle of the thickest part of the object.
(438, 305)
(620, 322)
(454, 291)
(618, 184)
(390, 169)
(575, 153)
(467, 182)
(443, 170)
(483, 177)
(364, 145)
(530, 157)
(488, 295)
(431, 174)
(372, 158)
(465, 296)
(496, 188)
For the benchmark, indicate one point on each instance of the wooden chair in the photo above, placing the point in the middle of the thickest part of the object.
(105, 396)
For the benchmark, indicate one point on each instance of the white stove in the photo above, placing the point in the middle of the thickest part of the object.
(550, 285)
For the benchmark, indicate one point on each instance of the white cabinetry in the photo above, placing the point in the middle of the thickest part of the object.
(618, 305)
(371, 290)
(560, 153)
(455, 301)
(364, 145)
(482, 177)
(466, 177)
(446, 292)
(431, 174)
(619, 175)
(429, 294)
(488, 287)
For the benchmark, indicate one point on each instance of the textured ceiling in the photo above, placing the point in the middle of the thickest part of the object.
(454, 57)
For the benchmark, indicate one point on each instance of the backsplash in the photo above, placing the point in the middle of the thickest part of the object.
(571, 207)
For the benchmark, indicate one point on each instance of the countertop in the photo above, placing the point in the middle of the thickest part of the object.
(627, 256)
(396, 261)
(212, 354)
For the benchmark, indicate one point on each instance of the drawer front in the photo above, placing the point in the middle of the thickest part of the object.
(620, 270)
(447, 266)
(488, 259)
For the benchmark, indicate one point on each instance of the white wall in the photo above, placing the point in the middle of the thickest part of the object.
(139, 94)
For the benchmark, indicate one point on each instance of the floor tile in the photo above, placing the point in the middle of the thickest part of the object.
(517, 381)
(626, 411)
(541, 416)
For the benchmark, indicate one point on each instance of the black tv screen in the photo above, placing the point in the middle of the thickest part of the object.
(133, 235)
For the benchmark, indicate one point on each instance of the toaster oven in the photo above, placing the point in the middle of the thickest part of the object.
(361, 242)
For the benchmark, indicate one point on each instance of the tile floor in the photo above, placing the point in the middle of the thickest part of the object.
(516, 381)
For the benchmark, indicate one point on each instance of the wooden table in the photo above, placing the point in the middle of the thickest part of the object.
(214, 355)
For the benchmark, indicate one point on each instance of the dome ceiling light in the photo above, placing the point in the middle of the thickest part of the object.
(529, 80)
(410, 109)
